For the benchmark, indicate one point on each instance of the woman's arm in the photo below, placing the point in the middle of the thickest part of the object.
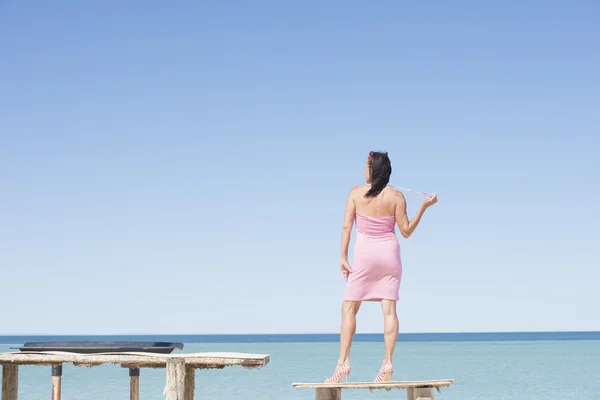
(408, 227)
(349, 215)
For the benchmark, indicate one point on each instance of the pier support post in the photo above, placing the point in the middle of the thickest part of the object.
(56, 381)
(175, 387)
(10, 382)
(134, 384)
(420, 393)
(329, 394)
(190, 382)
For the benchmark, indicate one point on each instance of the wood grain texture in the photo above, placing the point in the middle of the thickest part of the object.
(56, 387)
(134, 388)
(137, 359)
(190, 382)
(175, 387)
(10, 382)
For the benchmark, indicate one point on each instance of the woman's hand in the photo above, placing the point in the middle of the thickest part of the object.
(428, 202)
(345, 268)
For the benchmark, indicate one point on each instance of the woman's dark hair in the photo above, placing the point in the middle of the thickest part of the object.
(380, 169)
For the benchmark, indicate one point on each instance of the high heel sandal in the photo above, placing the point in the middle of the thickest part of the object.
(340, 371)
(385, 373)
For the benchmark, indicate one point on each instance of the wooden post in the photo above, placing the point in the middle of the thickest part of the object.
(56, 381)
(420, 393)
(329, 394)
(175, 387)
(10, 382)
(190, 382)
(134, 384)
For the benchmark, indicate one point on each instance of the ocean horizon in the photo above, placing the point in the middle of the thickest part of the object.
(492, 365)
(317, 337)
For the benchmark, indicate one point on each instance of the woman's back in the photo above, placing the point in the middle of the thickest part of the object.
(382, 205)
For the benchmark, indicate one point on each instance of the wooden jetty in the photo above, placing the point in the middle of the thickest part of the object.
(416, 390)
(180, 368)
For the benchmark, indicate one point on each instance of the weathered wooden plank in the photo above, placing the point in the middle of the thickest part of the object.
(10, 382)
(175, 386)
(373, 385)
(149, 360)
(329, 394)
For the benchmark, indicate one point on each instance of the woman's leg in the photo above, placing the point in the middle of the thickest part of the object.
(349, 311)
(390, 328)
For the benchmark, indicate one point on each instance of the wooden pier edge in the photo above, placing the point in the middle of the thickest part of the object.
(416, 390)
(137, 359)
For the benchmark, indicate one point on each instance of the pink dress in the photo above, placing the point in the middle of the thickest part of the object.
(377, 267)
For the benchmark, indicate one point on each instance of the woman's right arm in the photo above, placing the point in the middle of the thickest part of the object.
(349, 216)
(408, 227)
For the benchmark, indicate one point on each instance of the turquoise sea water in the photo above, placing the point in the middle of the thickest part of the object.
(491, 366)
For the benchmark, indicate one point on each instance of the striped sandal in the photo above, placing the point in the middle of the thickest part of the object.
(385, 373)
(340, 371)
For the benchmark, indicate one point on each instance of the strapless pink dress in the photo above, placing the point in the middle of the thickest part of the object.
(377, 267)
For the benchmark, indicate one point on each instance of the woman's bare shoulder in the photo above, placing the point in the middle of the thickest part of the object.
(359, 190)
(394, 194)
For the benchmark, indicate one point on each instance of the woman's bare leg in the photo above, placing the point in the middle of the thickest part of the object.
(349, 311)
(390, 328)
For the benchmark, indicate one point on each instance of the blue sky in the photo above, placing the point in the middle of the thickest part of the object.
(184, 168)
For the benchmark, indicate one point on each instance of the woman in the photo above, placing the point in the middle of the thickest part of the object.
(377, 269)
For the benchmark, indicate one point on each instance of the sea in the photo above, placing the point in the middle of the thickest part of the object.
(502, 366)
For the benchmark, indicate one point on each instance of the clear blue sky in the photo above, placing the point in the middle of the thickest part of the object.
(182, 167)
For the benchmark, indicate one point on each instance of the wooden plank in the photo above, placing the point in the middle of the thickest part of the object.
(373, 385)
(10, 382)
(175, 387)
(135, 359)
(329, 394)
(420, 394)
